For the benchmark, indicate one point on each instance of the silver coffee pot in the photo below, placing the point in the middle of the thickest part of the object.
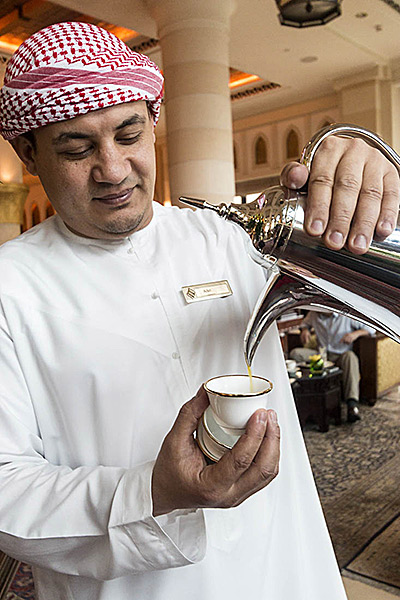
(301, 271)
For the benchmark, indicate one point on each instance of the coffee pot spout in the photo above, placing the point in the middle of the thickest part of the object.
(221, 209)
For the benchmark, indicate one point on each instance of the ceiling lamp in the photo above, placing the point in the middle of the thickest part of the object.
(307, 13)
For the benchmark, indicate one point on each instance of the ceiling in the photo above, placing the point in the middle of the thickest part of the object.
(300, 63)
(20, 18)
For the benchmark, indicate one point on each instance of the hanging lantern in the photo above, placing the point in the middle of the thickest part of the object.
(307, 13)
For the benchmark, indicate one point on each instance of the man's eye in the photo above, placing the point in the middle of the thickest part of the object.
(130, 139)
(76, 153)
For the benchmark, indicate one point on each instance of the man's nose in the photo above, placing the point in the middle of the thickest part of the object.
(111, 166)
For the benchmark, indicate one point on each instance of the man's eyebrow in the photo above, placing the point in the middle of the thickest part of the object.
(78, 135)
(134, 120)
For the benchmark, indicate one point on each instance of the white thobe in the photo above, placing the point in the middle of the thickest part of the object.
(98, 352)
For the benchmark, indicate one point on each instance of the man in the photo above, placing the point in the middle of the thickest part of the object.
(99, 353)
(336, 334)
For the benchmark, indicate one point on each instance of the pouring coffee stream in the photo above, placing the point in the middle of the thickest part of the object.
(301, 271)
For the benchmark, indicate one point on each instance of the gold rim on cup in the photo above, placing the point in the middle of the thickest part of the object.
(226, 395)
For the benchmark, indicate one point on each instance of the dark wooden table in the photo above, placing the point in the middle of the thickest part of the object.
(318, 398)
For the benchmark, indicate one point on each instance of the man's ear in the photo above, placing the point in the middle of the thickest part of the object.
(26, 152)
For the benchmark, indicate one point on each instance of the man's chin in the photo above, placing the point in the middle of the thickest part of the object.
(126, 226)
(116, 229)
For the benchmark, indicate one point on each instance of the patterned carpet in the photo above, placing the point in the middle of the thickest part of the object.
(357, 471)
(22, 587)
(8, 568)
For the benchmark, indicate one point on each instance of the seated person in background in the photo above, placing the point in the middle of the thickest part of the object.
(336, 333)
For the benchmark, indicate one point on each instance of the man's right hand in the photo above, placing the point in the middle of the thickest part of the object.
(183, 480)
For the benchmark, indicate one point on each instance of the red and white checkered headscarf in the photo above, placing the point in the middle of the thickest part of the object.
(70, 69)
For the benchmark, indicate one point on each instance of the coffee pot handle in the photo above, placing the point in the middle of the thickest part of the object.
(351, 131)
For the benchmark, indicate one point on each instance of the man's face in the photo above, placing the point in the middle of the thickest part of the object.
(98, 170)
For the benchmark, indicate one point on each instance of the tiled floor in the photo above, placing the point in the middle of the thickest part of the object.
(360, 591)
(357, 590)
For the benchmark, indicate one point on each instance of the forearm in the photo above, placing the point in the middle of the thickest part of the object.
(358, 333)
(94, 522)
(363, 333)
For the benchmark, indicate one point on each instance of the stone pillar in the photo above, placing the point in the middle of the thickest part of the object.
(194, 39)
(366, 100)
(396, 106)
(13, 192)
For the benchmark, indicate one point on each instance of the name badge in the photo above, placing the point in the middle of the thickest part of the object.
(206, 291)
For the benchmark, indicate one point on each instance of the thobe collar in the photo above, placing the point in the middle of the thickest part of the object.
(134, 240)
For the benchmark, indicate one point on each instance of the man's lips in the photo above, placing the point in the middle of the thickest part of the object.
(115, 199)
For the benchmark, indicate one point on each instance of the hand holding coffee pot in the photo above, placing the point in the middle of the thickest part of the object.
(353, 193)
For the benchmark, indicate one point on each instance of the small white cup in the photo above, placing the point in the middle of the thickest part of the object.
(233, 403)
(291, 365)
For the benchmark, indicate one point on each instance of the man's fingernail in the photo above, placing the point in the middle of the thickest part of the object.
(360, 241)
(273, 416)
(317, 226)
(386, 226)
(262, 417)
(336, 238)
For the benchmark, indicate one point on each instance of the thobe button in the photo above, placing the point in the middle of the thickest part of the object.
(176, 355)
(130, 251)
(155, 295)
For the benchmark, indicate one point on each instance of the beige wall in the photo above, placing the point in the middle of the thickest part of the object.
(371, 99)
(304, 118)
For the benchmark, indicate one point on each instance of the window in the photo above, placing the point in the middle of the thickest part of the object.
(260, 151)
(292, 145)
(35, 215)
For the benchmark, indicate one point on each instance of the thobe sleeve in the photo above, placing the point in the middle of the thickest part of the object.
(89, 521)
